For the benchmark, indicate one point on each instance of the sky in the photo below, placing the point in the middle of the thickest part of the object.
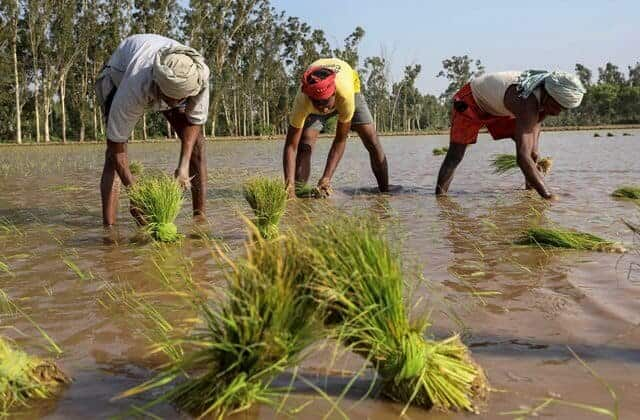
(504, 35)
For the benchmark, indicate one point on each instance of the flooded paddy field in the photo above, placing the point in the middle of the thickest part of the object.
(519, 309)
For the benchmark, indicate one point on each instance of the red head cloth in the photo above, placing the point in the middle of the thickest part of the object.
(316, 87)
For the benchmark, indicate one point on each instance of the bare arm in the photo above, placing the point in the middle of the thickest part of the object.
(289, 156)
(189, 135)
(335, 153)
(526, 137)
(451, 161)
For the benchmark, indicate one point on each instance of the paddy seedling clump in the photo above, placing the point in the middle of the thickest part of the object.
(568, 239)
(158, 199)
(631, 192)
(439, 151)
(24, 378)
(260, 329)
(268, 199)
(360, 280)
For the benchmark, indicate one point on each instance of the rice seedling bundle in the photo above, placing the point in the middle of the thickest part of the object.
(360, 281)
(304, 190)
(136, 168)
(258, 332)
(610, 134)
(596, 134)
(563, 238)
(629, 191)
(159, 199)
(440, 151)
(23, 378)
(268, 199)
(503, 163)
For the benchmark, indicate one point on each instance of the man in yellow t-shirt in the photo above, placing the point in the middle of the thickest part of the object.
(329, 87)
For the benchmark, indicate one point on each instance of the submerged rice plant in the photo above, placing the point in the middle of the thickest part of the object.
(440, 151)
(159, 199)
(258, 332)
(628, 191)
(136, 168)
(24, 377)
(268, 199)
(564, 238)
(360, 281)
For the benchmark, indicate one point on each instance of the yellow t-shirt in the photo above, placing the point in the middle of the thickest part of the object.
(347, 85)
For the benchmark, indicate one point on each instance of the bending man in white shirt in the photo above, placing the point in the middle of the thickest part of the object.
(153, 72)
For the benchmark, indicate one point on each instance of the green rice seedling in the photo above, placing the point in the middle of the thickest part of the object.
(626, 134)
(596, 134)
(503, 163)
(569, 239)
(360, 280)
(136, 168)
(268, 199)
(304, 190)
(258, 332)
(631, 192)
(440, 151)
(610, 134)
(159, 199)
(24, 377)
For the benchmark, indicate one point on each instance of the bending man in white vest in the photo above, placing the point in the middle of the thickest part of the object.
(153, 72)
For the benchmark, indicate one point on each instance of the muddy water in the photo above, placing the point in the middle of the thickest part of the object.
(518, 308)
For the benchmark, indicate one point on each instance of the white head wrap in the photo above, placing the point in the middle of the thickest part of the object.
(179, 71)
(565, 88)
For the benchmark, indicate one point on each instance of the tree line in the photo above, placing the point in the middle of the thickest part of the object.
(51, 51)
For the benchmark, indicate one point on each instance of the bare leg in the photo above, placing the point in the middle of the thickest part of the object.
(198, 171)
(451, 161)
(110, 181)
(303, 157)
(377, 158)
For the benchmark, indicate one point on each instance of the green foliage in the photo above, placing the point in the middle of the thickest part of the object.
(268, 199)
(361, 283)
(24, 377)
(159, 199)
(628, 191)
(563, 238)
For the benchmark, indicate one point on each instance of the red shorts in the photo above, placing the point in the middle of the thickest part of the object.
(466, 124)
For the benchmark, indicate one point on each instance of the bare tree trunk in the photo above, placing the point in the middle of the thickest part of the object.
(144, 126)
(14, 48)
(47, 110)
(63, 89)
(168, 129)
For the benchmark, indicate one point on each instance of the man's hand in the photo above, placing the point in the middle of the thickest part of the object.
(324, 188)
(182, 176)
(290, 189)
(137, 214)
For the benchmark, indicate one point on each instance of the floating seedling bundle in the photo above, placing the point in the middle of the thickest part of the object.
(268, 199)
(258, 332)
(440, 151)
(631, 192)
(504, 163)
(158, 198)
(360, 281)
(569, 239)
(24, 377)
